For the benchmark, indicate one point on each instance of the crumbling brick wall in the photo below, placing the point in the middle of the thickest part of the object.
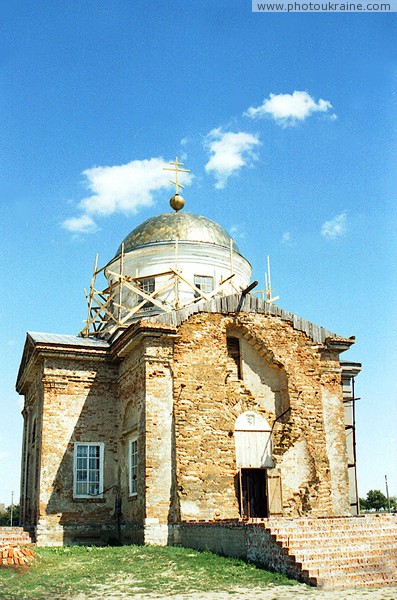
(309, 442)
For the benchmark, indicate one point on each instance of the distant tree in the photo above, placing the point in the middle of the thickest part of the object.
(363, 504)
(376, 500)
(5, 517)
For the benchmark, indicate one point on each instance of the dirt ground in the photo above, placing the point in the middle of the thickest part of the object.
(288, 592)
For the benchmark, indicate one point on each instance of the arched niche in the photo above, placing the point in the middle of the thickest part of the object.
(130, 420)
(252, 435)
(263, 375)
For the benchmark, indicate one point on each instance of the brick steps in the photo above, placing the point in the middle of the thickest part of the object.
(351, 566)
(343, 552)
(300, 542)
(337, 526)
(341, 534)
(318, 523)
(332, 545)
(361, 580)
(351, 557)
(14, 535)
(305, 531)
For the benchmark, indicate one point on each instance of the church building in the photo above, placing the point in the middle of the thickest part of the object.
(185, 398)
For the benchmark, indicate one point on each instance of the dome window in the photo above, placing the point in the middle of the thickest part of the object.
(204, 283)
(147, 285)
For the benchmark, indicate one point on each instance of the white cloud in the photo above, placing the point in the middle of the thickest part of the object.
(83, 224)
(336, 227)
(286, 237)
(229, 152)
(236, 231)
(287, 109)
(121, 188)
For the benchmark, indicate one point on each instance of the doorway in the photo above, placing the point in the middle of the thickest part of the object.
(253, 495)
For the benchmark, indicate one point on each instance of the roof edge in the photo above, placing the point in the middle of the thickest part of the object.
(236, 303)
(37, 344)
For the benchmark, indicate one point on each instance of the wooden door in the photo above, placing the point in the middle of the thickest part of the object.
(274, 495)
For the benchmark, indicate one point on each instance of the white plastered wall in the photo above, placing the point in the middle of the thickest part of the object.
(190, 258)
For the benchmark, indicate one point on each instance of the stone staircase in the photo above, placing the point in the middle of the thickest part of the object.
(14, 536)
(339, 553)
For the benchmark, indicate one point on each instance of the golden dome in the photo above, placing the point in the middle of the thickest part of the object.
(182, 226)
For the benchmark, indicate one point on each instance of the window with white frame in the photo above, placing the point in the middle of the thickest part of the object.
(133, 465)
(88, 469)
(205, 283)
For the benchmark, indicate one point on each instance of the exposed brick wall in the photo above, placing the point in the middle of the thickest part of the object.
(132, 422)
(207, 405)
(30, 460)
(146, 407)
(159, 437)
(223, 538)
(80, 404)
(204, 416)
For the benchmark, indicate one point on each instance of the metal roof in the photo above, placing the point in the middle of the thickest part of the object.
(67, 340)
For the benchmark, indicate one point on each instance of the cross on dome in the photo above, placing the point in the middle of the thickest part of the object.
(177, 202)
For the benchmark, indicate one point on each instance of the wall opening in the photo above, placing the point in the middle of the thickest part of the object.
(253, 493)
(234, 357)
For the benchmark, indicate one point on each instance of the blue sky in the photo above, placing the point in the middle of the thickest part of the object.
(288, 124)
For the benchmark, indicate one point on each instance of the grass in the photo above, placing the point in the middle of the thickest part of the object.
(98, 571)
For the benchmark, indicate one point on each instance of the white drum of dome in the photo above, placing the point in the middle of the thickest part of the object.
(177, 259)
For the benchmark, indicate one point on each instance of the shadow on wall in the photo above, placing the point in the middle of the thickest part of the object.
(265, 379)
(258, 370)
(174, 515)
(77, 462)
